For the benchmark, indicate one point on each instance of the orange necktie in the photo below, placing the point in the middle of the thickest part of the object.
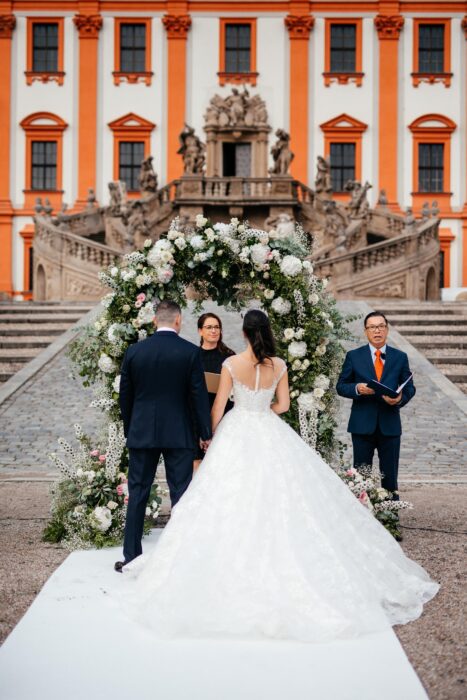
(378, 365)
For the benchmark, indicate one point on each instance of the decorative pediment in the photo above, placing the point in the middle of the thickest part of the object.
(344, 122)
(432, 122)
(43, 121)
(130, 122)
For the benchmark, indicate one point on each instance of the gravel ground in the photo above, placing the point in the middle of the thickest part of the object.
(434, 643)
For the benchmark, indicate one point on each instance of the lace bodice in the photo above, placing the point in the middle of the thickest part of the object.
(257, 399)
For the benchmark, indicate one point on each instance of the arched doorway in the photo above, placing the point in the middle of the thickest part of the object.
(431, 285)
(40, 285)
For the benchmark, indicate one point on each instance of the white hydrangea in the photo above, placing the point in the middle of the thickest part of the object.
(321, 382)
(200, 221)
(101, 518)
(289, 333)
(318, 392)
(145, 315)
(197, 242)
(105, 363)
(306, 401)
(291, 265)
(128, 275)
(143, 280)
(114, 271)
(111, 333)
(281, 306)
(259, 253)
(116, 383)
(164, 275)
(297, 348)
(210, 234)
(313, 298)
(269, 293)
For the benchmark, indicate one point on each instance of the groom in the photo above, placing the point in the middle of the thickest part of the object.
(375, 422)
(162, 381)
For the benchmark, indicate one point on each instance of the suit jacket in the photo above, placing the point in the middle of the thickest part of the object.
(369, 412)
(162, 381)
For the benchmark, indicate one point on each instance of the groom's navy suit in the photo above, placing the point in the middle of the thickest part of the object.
(162, 384)
(374, 424)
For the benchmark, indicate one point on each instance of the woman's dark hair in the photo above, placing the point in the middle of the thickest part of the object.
(258, 332)
(224, 349)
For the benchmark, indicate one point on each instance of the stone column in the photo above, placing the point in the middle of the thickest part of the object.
(299, 27)
(88, 27)
(389, 28)
(7, 25)
(177, 27)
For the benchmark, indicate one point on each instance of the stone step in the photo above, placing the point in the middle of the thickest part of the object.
(422, 311)
(18, 354)
(29, 341)
(430, 330)
(21, 308)
(450, 356)
(455, 373)
(8, 369)
(439, 319)
(28, 329)
(41, 318)
(432, 342)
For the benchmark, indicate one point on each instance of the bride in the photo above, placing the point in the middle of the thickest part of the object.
(268, 542)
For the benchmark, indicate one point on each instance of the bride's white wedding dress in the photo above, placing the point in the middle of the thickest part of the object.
(268, 542)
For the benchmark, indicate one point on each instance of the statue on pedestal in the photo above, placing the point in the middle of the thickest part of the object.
(323, 175)
(281, 154)
(358, 204)
(147, 178)
(192, 150)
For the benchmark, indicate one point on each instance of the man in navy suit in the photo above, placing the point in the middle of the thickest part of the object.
(375, 422)
(162, 383)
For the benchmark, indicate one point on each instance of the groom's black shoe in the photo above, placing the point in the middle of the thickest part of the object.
(118, 566)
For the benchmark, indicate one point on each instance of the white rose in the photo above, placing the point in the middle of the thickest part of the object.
(116, 383)
(234, 221)
(148, 512)
(297, 348)
(241, 228)
(147, 243)
(289, 333)
(172, 235)
(264, 238)
(180, 243)
(164, 275)
(269, 293)
(318, 392)
(105, 364)
(114, 271)
(296, 364)
(101, 518)
(281, 306)
(111, 334)
(197, 242)
(291, 266)
(306, 401)
(307, 266)
(166, 256)
(111, 505)
(299, 333)
(259, 253)
(320, 350)
(126, 308)
(163, 244)
(200, 221)
(313, 298)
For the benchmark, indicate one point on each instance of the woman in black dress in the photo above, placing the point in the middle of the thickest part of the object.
(213, 354)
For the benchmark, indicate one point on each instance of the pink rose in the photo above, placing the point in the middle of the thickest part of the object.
(141, 296)
(123, 479)
(94, 453)
(125, 500)
(102, 458)
(349, 472)
(120, 490)
(138, 304)
(363, 497)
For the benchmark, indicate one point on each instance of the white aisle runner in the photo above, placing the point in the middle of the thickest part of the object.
(73, 644)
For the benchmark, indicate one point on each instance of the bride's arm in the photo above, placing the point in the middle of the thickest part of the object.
(282, 403)
(223, 393)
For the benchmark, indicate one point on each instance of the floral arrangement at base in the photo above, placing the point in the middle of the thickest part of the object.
(365, 485)
(89, 500)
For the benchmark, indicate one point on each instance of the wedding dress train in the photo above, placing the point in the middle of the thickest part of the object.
(268, 542)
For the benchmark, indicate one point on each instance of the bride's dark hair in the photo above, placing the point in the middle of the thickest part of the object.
(258, 332)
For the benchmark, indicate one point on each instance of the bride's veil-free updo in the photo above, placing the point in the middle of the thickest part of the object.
(257, 330)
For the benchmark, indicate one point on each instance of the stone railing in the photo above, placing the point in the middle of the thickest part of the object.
(87, 222)
(234, 189)
(66, 266)
(406, 266)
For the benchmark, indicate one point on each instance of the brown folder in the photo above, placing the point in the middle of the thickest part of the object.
(212, 381)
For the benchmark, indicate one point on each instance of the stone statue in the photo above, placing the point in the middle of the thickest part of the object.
(382, 199)
(137, 227)
(281, 154)
(91, 199)
(409, 221)
(434, 209)
(38, 208)
(48, 208)
(323, 175)
(334, 227)
(147, 178)
(118, 197)
(426, 211)
(192, 150)
(280, 226)
(237, 109)
(358, 204)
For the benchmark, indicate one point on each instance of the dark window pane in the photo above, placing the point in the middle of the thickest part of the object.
(131, 155)
(430, 167)
(343, 48)
(238, 48)
(133, 48)
(45, 48)
(44, 165)
(342, 164)
(431, 48)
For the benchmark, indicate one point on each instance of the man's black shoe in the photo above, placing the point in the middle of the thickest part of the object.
(118, 566)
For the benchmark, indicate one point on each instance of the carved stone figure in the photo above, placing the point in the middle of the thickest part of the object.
(281, 153)
(434, 209)
(91, 198)
(358, 204)
(117, 191)
(147, 178)
(137, 226)
(237, 109)
(334, 228)
(323, 175)
(38, 208)
(192, 150)
(426, 211)
(282, 225)
(48, 208)
(382, 199)
(409, 221)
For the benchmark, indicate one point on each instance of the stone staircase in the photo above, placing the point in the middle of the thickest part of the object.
(437, 329)
(26, 328)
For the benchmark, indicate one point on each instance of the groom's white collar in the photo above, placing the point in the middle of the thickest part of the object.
(165, 328)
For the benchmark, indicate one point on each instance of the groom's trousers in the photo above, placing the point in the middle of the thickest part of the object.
(388, 448)
(141, 474)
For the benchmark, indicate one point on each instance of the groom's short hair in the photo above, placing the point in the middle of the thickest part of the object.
(167, 311)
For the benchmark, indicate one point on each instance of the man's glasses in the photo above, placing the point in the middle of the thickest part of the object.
(372, 329)
(212, 328)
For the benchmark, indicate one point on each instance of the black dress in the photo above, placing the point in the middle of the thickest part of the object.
(212, 362)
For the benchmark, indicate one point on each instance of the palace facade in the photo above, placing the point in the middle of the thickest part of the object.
(88, 89)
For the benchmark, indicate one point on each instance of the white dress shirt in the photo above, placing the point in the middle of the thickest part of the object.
(373, 358)
(166, 328)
